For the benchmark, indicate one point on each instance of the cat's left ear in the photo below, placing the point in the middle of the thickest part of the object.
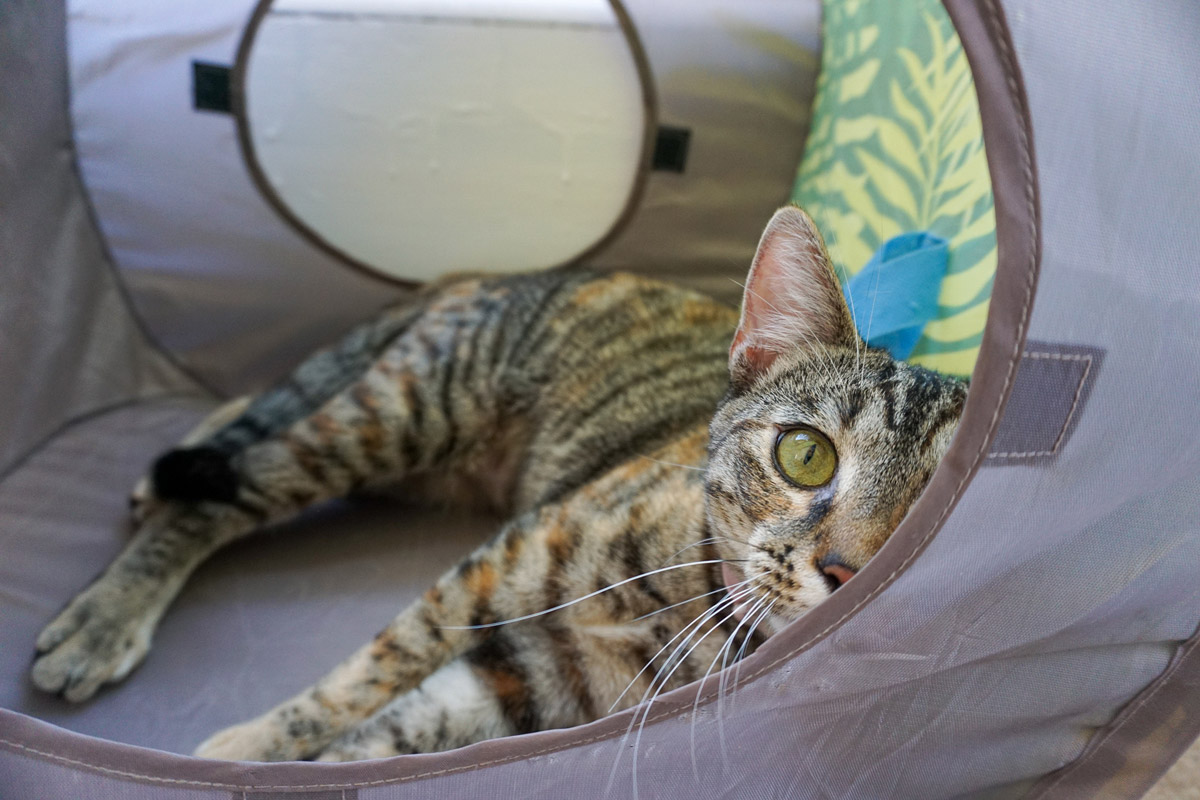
(793, 299)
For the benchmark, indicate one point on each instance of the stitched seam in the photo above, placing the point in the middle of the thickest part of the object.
(1087, 369)
(1098, 741)
(299, 786)
(1059, 356)
(1062, 433)
(1008, 64)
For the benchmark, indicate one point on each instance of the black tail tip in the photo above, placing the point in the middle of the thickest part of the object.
(194, 474)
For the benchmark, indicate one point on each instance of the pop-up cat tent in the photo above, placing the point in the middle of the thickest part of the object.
(1030, 629)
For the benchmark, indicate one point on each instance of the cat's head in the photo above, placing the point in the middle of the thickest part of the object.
(821, 444)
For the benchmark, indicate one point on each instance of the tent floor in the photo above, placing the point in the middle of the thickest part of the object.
(260, 621)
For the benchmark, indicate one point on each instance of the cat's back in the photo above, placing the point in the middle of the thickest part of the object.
(611, 365)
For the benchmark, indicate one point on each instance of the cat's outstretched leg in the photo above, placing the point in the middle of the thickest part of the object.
(400, 414)
(488, 613)
(106, 630)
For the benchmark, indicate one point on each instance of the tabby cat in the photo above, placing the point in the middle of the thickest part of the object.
(582, 406)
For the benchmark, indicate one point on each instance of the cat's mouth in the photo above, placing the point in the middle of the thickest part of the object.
(739, 591)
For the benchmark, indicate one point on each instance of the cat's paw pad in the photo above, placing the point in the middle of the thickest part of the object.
(249, 741)
(358, 750)
(351, 746)
(374, 738)
(337, 753)
(88, 645)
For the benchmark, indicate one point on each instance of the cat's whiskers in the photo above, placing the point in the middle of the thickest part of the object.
(588, 596)
(762, 617)
(678, 657)
(754, 617)
(701, 543)
(673, 464)
(656, 686)
(649, 614)
(698, 621)
(723, 655)
(679, 660)
(843, 279)
(822, 357)
(870, 317)
(693, 627)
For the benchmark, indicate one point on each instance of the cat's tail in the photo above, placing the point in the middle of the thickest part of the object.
(193, 474)
(202, 468)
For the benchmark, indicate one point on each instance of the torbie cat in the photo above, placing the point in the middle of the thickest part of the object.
(612, 420)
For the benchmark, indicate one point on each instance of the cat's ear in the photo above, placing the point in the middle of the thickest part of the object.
(793, 299)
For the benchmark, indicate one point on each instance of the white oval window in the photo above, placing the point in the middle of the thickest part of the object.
(419, 137)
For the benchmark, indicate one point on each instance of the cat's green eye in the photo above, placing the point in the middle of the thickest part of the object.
(805, 457)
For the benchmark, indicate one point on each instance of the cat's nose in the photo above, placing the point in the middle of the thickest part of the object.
(836, 573)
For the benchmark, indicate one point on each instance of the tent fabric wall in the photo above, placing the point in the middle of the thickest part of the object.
(1031, 627)
(69, 346)
(1119, 179)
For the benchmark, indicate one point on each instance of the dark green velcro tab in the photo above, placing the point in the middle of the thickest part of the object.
(210, 87)
(671, 148)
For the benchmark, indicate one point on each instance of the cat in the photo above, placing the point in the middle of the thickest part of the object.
(698, 477)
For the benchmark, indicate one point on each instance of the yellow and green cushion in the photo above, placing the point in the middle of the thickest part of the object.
(896, 147)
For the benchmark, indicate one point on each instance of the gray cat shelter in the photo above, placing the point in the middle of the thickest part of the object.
(1031, 628)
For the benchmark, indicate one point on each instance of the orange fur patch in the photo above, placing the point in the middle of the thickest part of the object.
(508, 687)
(481, 579)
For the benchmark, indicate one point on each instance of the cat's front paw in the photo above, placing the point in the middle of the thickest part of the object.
(358, 745)
(256, 740)
(99, 638)
(237, 743)
(340, 752)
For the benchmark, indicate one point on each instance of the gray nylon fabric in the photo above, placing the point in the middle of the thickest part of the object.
(32, 779)
(1052, 596)
(67, 343)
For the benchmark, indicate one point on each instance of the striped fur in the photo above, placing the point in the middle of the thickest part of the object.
(581, 406)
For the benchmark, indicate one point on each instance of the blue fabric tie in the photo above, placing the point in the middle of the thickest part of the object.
(896, 293)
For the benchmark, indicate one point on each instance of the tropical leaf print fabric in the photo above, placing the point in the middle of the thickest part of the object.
(897, 146)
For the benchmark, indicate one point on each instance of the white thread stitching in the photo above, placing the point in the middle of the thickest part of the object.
(1058, 356)
(1058, 440)
(295, 786)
